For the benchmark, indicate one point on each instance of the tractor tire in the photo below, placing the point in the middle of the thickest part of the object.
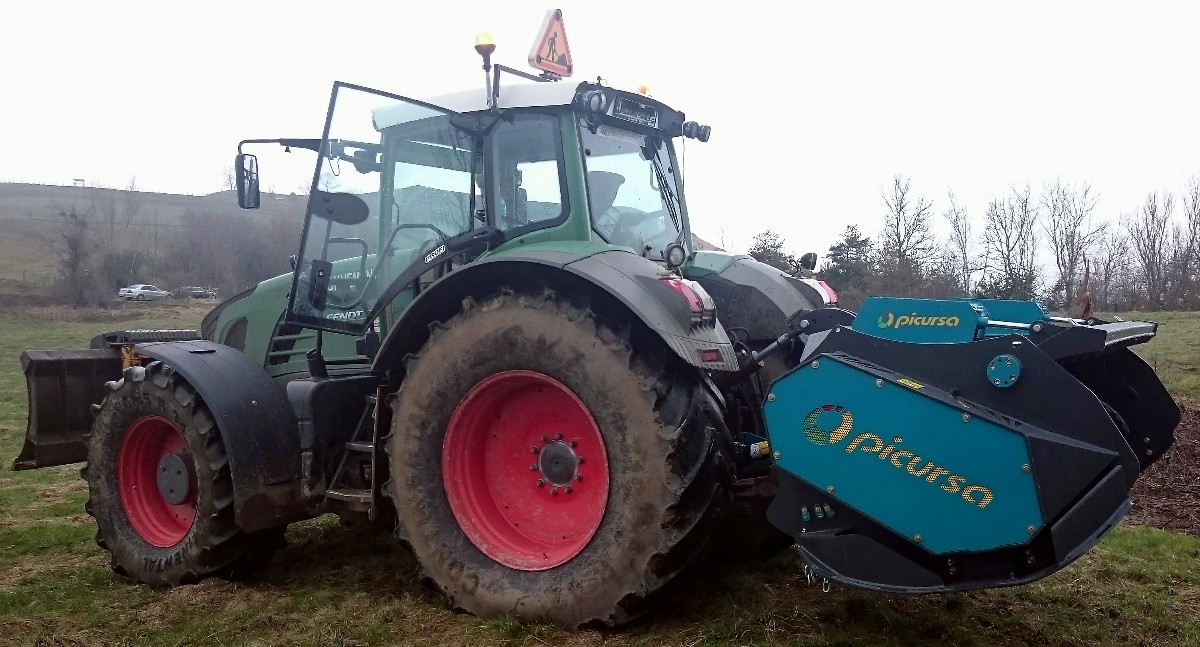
(160, 488)
(545, 464)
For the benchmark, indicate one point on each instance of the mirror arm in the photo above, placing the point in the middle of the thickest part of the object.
(310, 144)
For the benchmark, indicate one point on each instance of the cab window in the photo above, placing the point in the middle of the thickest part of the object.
(527, 173)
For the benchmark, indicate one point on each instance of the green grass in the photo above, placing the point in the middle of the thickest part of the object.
(352, 586)
(1175, 352)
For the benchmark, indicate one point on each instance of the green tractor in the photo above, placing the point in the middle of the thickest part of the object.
(499, 344)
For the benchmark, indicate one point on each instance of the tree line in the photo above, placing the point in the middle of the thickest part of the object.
(1049, 245)
(108, 239)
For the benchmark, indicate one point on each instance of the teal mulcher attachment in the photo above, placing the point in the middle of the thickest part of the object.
(961, 449)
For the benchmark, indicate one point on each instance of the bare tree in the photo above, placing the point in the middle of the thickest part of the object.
(131, 199)
(74, 249)
(907, 240)
(1009, 244)
(960, 244)
(103, 206)
(1187, 250)
(1067, 222)
(1111, 267)
(1149, 234)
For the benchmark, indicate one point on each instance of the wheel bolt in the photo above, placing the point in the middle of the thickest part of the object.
(540, 482)
(573, 443)
(567, 488)
(581, 460)
(579, 477)
(533, 449)
(558, 436)
(553, 490)
(532, 467)
(545, 438)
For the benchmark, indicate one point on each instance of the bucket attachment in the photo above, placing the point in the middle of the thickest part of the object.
(965, 452)
(63, 385)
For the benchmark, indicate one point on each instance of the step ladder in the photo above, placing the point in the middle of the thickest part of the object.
(354, 487)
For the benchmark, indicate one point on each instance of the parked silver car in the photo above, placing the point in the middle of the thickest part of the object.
(142, 292)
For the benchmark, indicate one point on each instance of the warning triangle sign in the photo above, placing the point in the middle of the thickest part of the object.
(550, 51)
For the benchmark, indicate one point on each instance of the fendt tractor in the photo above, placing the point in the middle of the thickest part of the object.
(500, 344)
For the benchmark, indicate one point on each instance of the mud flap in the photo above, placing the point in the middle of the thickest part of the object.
(62, 385)
(926, 468)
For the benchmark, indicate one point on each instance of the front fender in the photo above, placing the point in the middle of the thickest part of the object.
(610, 279)
(256, 423)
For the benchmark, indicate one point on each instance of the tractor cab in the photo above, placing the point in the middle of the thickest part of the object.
(405, 190)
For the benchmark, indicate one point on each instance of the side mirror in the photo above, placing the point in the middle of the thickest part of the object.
(809, 261)
(246, 170)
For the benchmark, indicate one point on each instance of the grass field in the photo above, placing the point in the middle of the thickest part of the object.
(351, 586)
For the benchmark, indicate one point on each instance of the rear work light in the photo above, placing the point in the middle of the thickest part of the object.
(700, 304)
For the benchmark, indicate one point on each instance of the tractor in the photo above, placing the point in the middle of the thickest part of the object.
(499, 344)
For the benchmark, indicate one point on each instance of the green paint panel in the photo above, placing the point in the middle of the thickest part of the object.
(708, 262)
(906, 460)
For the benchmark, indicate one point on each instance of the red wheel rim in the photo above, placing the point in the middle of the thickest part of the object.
(151, 443)
(511, 432)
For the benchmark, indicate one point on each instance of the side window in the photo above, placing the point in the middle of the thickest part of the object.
(526, 171)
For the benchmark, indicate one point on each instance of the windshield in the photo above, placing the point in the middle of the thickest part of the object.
(393, 185)
(633, 189)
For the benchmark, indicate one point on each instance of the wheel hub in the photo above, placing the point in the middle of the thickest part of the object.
(558, 463)
(527, 512)
(156, 481)
(175, 478)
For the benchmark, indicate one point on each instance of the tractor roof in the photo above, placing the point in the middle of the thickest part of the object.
(512, 95)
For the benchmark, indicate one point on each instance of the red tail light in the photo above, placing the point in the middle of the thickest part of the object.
(830, 294)
(702, 306)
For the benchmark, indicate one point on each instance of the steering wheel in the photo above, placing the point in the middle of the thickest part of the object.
(608, 221)
(626, 226)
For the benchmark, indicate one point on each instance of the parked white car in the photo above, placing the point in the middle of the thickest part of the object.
(142, 292)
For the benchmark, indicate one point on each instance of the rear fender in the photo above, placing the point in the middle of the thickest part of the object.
(758, 298)
(257, 426)
(608, 280)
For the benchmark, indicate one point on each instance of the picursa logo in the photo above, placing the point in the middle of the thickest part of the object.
(889, 320)
(821, 437)
(830, 424)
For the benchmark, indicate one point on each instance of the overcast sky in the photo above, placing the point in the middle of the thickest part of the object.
(814, 106)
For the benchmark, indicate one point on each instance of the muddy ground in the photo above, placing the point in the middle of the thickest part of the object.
(1167, 495)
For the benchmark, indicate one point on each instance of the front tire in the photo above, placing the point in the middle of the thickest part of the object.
(545, 465)
(160, 488)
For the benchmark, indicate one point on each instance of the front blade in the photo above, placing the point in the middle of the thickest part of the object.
(62, 386)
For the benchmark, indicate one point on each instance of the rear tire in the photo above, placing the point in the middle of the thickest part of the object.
(160, 487)
(501, 380)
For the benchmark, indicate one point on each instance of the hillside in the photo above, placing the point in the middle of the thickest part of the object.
(32, 230)
(138, 223)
